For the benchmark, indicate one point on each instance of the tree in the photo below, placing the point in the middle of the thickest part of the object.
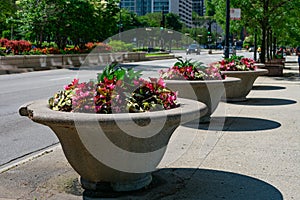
(151, 19)
(128, 19)
(173, 22)
(78, 21)
(7, 10)
(264, 17)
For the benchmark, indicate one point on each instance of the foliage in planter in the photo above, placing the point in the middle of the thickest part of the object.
(116, 90)
(23, 47)
(278, 56)
(235, 63)
(87, 48)
(191, 70)
(15, 46)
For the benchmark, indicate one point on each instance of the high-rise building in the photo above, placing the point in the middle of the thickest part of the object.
(181, 7)
(184, 9)
(198, 7)
(159, 5)
(140, 7)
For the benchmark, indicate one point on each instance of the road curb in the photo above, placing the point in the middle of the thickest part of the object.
(28, 158)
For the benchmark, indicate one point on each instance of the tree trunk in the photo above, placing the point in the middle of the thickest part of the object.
(264, 25)
(268, 44)
(263, 44)
(271, 39)
(274, 45)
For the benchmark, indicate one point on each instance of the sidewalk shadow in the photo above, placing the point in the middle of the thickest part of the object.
(267, 87)
(191, 183)
(265, 102)
(236, 124)
(290, 76)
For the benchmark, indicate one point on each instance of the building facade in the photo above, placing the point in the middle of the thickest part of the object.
(181, 7)
(199, 7)
(140, 7)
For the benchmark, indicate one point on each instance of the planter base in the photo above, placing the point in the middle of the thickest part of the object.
(239, 91)
(100, 187)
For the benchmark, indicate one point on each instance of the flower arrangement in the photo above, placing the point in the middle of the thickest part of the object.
(235, 63)
(15, 46)
(116, 90)
(191, 70)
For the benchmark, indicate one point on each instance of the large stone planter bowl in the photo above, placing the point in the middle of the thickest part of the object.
(118, 150)
(208, 92)
(238, 92)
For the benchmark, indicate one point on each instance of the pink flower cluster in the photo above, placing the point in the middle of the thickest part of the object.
(111, 96)
(235, 64)
(191, 72)
(157, 88)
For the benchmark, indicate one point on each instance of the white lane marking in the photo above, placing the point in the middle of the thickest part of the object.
(62, 78)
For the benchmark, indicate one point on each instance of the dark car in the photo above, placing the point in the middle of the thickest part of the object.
(193, 48)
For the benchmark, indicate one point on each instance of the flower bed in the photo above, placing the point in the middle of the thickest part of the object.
(191, 70)
(235, 63)
(116, 90)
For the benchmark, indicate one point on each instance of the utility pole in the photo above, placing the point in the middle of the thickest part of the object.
(227, 29)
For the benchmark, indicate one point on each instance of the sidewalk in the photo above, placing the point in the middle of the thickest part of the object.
(253, 153)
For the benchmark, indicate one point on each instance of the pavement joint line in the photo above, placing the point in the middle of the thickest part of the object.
(28, 158)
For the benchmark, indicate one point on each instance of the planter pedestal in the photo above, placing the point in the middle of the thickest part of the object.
(117, 151)
(133, 185)
(239, 91)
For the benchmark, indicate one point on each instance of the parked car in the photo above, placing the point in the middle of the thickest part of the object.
(193, 48)
(219, 46)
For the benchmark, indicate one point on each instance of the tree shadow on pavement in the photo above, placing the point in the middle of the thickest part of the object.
(191, 183)
(265, 102)
(267, 87)
(289, 76)
(236, 124)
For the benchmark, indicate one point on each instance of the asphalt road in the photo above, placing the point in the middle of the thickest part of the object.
(19, 136)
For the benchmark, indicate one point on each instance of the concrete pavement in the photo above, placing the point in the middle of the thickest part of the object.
(250, 150)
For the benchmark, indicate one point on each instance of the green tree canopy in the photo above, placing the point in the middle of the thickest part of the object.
(78, 21)
(7, 10)
(173, 22)
(279, 17)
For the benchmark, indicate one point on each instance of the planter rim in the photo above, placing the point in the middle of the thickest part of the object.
(40, 111)
(227, 79)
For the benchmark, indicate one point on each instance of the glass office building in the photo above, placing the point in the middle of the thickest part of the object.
(181, 7)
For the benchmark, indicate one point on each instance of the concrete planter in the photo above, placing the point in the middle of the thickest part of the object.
(118, 151)
(208, 92)
(41, 62)
(238, 92)
(274, 67)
